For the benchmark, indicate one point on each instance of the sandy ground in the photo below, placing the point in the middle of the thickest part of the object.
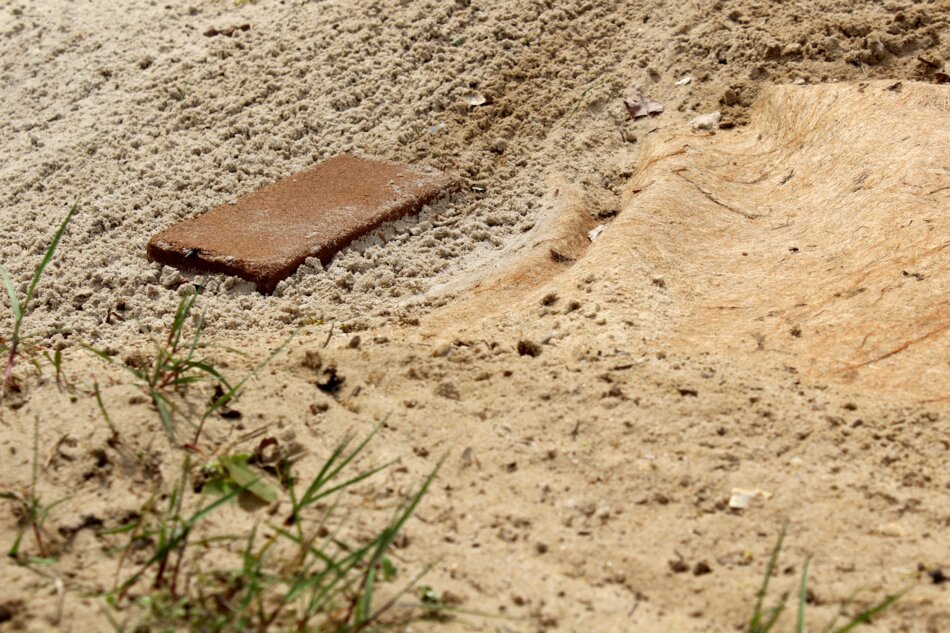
(586, 488)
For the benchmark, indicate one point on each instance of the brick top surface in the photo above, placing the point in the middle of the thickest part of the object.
(267, 234)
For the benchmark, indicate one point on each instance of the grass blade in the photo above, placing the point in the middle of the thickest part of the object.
(866, 616)
(164, 414)
(802, 598)
(385, 542)
(756, 623)
(181, 314)
(772, 615)
(241, 473)
(49, 255)
(11, 291)
(329, 471)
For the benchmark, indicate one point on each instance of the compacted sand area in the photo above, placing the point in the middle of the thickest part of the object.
(640, 346)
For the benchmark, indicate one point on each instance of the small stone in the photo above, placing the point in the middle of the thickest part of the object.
(639, 105)
(772, 51)
(701, 568)
(448, 390)
(875, 52)
(730, 97)
(312, 360)
(474, 99)
(706, 122)
(792, 50)
(441, 348)
(678, 566)
(594, 233)
(528, 348)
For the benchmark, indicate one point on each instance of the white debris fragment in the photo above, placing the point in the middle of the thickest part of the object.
(685, 80)
(474, 99)
(742, 497)
(706, 122)
(894, 530)
(596, 231)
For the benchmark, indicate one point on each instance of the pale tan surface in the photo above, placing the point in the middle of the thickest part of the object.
(819, 237)
(596, 448)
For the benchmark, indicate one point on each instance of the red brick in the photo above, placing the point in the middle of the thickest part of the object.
(267, 234)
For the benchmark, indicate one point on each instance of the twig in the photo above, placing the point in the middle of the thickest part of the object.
(329, 335)
(748, 216)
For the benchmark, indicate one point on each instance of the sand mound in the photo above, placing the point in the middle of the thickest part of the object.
(818, 236)
(145, 121)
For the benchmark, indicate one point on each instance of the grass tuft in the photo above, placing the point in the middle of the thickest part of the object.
(177, 364)
(20, 308)
(299, 575)
(174, 366)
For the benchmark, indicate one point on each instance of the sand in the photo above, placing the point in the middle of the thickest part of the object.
(141, 118)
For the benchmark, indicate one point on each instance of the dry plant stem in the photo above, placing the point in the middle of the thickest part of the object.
(37, 532)
(8, 370)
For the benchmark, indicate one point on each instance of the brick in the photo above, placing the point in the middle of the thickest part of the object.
(266, 235)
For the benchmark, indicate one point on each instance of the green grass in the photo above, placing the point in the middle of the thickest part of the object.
(295, 574)
(764, 620)
(176, 364)
(13, 347)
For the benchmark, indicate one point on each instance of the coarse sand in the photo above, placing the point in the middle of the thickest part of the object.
(591, 452)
